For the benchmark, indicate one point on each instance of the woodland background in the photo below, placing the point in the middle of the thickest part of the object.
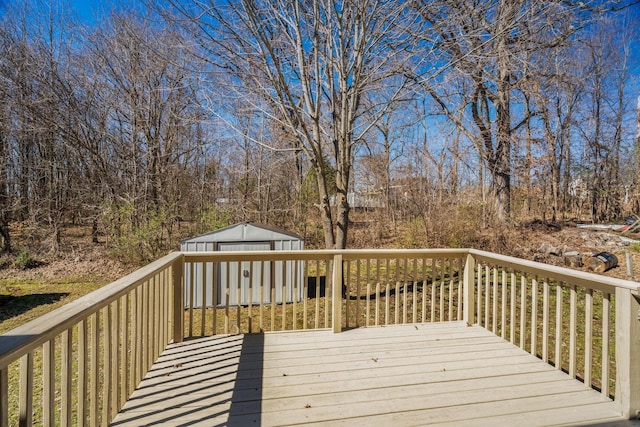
(417, 124)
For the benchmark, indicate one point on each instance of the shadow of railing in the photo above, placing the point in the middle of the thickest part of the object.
(246, 400)
(12, 306)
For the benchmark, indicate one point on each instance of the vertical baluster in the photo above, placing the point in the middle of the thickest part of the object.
(227, 296)
(606, 348)
(358, 294)
(367, 307)
(140, 339)
(4, 397)
(459, 300)
(573, 315)
(65, 387)
(239, 298)
(559, 312)
(283, 274)
(347, 272)
(263, 275)
(503, 305)
(523, 309)
(215, 291)
(305, 293)
(479, 301)
(534, 315)
(405, 298)
(377, 289)
(451, 288)
(433, 289)
(93, 394)
(49, 382)
(317, 317)
(192, 288)
(83, 356)
(272, 279)
(487, 295)
(414, 280)
(545, 320)
(115, 357)
(588, 335)
(25, 403)
(377, 301)
(494, 305)
(328, 293)
(512, 307)
(295, 293)
(387, 295)
(425, 279)
(106, 366)
(378, 296)
(397, 298)
(203, 305)
(124, 351)
(443, 285)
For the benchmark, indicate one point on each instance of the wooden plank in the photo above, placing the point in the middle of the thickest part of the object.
(494, 305)
(559, 313)
(523, 310)
(512, 306)
(606, 348)
(203, 307)
(192, 289)
(114, 359)
(372, 376)
(83, 357)
(588, 335)
(93, 392)
(336, 294)
(25, 404)
(177, 279)
(433, 289)
(534, 315)
(487, 296)
(545, 320)
(4, 397)
(503, 305)
(469, 291)
(573, 317)
(65, 377)
(124, 351)
(106, 398)
(48, 383)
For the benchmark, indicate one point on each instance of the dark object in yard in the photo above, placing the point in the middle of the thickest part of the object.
(311, 286)
(602, 262)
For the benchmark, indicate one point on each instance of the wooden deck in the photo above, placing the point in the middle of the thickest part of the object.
(425, 374)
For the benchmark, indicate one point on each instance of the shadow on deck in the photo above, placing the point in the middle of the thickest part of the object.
(425, 374)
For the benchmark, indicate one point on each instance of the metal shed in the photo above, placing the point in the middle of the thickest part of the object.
(245, 237)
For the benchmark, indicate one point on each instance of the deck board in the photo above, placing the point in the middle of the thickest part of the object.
(427, 374)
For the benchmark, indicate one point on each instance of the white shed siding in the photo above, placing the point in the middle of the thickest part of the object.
(244, 237)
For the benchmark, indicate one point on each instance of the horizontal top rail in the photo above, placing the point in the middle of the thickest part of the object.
(27, 337)
(562, 274)
(305, 255)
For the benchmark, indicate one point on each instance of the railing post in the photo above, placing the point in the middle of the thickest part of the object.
(627, 352)
(468, 291)
(336, 294)
(178, 299)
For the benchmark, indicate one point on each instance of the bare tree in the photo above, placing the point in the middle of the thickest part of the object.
(490, 45)
(306, 65)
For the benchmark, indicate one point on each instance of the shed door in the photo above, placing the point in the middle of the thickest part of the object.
(258, 277)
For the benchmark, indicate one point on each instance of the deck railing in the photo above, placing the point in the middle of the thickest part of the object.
(92, 353)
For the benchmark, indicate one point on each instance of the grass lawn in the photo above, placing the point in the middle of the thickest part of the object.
(24, 300)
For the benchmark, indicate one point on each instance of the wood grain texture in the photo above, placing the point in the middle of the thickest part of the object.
(435, 373)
